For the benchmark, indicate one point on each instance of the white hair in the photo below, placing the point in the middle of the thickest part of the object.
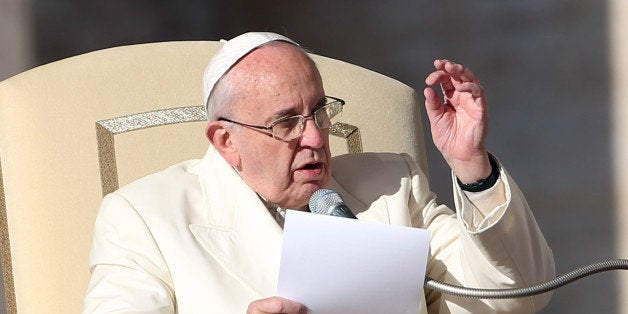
(221, 97)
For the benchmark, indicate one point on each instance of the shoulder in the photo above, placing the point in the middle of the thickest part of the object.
(159, 191)
(164, 180)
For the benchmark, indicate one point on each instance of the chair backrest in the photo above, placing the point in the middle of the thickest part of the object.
(74, 129)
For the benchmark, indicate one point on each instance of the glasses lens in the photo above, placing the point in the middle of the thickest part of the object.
(325, 114)
(321, 117)
(288, 128)
(334, 108)
(292, 127)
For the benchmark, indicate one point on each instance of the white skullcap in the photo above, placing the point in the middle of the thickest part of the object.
(231, 52)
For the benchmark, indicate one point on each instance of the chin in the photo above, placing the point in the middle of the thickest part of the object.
(305, 192)
(313, 187)
(300, 193)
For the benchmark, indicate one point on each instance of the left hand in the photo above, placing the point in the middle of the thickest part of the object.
(275, 305)
(459, 122)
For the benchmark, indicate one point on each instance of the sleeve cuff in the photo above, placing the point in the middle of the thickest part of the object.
(481, 210)
(485, 183)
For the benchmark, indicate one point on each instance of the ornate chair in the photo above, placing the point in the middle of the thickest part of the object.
(75, 129)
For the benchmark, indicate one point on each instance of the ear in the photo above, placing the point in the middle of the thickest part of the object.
(220, 137)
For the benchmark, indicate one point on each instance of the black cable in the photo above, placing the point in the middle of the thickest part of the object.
(476, 293)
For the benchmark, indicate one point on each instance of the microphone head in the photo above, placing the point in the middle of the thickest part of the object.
(323, 200)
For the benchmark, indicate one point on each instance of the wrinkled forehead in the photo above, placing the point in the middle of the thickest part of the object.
(276, 73)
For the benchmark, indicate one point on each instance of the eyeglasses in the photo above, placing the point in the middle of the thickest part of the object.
(290, 128)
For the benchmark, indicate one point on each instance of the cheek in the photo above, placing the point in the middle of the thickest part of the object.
(279, 164)
(268, 164)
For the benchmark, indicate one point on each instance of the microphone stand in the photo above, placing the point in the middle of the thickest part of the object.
(477, 293)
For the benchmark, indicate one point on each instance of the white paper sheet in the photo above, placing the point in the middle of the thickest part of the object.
(339, 265)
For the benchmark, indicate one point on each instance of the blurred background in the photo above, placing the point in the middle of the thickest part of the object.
(554, 73)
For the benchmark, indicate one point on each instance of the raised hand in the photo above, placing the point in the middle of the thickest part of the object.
(459, 121)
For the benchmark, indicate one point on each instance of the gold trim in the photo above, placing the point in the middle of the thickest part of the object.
(106, 129)
(5, 244)
(350, 133)
(106, 159)
(154, 118)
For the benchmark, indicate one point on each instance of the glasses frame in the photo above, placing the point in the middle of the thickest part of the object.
(269, 129)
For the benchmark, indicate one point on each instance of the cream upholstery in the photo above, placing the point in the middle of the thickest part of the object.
(50, 171)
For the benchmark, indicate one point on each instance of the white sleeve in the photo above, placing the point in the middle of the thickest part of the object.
(504, 249)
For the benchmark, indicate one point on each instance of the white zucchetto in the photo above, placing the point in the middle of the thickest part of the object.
(231, 52)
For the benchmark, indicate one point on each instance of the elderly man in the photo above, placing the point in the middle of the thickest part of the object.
(204, 236)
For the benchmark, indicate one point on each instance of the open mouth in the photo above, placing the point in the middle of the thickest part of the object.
(312, 166)
(310, 171)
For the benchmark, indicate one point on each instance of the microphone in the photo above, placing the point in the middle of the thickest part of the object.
(329, 202)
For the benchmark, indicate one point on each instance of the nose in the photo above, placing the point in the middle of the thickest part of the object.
(312, 135)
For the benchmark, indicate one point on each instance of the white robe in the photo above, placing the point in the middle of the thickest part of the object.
(195, 238)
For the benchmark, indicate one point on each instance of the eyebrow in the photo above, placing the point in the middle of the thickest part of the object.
(281, 114)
